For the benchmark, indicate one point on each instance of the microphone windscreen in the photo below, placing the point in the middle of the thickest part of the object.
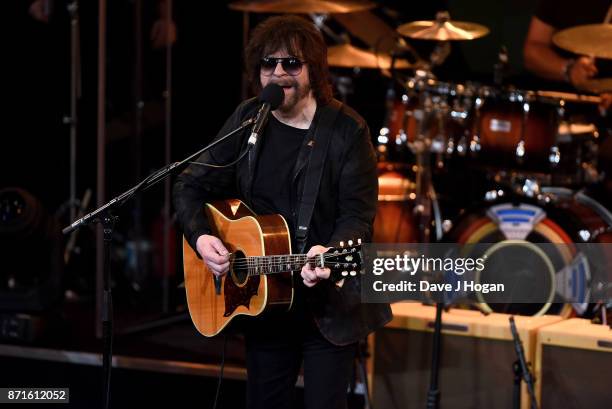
(272, 94)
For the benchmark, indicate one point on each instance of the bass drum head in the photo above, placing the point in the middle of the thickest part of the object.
(570, 218)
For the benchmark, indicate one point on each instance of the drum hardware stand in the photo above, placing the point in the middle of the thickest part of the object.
(423, 174)
(520, 146)
(319, 21)
(433, 394)
(473, 105)
(521, 371)
(426, 200)
(75, 94)
(501, 66)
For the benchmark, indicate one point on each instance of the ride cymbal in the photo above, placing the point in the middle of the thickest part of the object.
(594, 40)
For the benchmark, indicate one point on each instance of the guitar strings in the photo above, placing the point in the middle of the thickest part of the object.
(250, 259)
(250, 262)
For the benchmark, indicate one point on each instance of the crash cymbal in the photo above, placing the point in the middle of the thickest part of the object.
(442, 29)
(594, 40)
(349, 56)
(302, 6)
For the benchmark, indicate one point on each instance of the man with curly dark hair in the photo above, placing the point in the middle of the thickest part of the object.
(326, 319)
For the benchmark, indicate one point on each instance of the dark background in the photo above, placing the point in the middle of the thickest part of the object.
(206, 87)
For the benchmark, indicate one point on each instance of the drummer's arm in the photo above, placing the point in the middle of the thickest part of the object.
(542, 59)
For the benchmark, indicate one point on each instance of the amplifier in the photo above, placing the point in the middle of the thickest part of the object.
(574, 365)
(476, 358)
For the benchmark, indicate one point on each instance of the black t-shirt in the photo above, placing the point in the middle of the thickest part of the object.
(273, 189)
(272, 183)
(562, 14)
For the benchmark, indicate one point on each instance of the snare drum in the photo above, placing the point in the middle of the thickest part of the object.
(569, 219)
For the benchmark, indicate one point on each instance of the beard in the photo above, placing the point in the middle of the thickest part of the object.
(299, 92)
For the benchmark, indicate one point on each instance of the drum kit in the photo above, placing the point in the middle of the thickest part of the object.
(521, 151)
(525, 148)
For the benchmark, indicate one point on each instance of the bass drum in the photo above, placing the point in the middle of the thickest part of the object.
(569, 218)
(394, 221)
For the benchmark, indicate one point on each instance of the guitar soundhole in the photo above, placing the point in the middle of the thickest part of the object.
(239, 268)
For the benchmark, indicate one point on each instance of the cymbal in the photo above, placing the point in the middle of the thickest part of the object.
(442, 29)
(349, 56)
(302, 6)
(594, 40)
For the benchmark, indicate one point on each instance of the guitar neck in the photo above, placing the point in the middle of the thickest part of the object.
(258, 265)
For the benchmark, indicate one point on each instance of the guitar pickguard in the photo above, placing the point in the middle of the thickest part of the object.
(236, 296)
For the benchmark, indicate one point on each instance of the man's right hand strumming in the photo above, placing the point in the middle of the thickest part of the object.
(214, 254)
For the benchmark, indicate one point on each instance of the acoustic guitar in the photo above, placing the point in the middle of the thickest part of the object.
(260, 276)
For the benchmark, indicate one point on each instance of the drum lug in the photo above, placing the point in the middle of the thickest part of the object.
(493, 195)
(520, 150)
(555, 156)
(585, 235)
(475, 144)
(531, 188)
(546, 198)
(462, 146)
(450, 146)
(438, 143)
(447, 225)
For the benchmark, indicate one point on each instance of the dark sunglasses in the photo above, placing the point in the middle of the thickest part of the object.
(291, 65)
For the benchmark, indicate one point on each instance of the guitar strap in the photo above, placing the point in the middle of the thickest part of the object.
(316, 162)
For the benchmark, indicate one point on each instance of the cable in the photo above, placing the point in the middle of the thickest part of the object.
(220, 372)
(210, 165)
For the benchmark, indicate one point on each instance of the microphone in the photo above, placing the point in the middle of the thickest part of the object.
(271, 97)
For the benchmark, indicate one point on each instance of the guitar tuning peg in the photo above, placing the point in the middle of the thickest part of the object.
(350, 242)
(358, 241)
(344, 273)
(353, 273)
(341, 244)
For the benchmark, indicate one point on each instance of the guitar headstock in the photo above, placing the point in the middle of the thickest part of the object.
(344, 261)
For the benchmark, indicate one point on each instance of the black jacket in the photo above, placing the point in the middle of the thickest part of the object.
(345, 209)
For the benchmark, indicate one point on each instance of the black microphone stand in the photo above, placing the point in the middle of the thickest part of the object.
(104, 215)
(521, 371)
(433, 394)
